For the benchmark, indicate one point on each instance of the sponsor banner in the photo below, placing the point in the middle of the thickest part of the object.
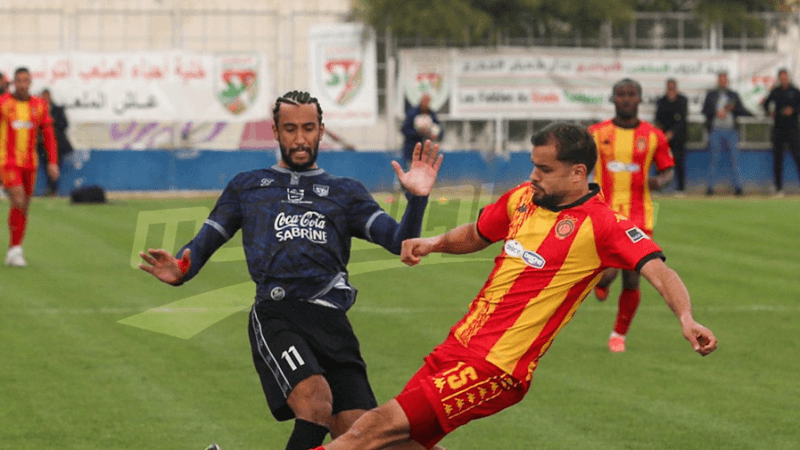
(343, 73)
(576, 83)
(424, 71)
(151, 86)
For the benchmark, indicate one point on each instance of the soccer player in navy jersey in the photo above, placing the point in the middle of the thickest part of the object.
(297, 222)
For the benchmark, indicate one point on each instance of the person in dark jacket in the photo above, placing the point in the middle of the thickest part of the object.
(413, 133)
(722, 107)
(60, 125)
(671, 116)
(783, 104)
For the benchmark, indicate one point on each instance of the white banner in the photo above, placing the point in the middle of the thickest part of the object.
(151, 86)
(576, 84)
(343, 73)
(426, 72)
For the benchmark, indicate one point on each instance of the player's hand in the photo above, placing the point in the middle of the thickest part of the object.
(669, 135)
(722, 114)
(162, 265)
(424, 169)
(53, 172)
(414, 249)
(654, 184)
(702, 339)
(787, 111)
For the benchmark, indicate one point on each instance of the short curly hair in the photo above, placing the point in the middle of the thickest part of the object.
(574, 144)
(295, 98)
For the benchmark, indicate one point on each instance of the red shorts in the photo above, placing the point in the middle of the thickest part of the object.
(13, 176)
(453, 388)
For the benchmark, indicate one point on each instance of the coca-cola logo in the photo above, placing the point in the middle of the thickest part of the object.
(310, 219)
(309, 225)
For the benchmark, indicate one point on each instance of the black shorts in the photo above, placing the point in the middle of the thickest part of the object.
(293, 340)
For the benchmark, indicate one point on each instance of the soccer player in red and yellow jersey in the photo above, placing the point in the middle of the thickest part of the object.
(559, 236)
(626, 149)
(21, 117)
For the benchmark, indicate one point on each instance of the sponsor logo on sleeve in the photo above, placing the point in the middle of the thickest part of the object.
(636, 235)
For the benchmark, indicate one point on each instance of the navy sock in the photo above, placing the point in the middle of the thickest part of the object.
(306, 435)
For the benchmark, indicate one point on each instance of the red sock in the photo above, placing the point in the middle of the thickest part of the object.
(17, 221)
(628, 303)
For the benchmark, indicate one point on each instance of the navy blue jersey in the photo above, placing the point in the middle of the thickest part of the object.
(296, 232)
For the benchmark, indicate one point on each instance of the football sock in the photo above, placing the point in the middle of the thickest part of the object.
(628, 303)
(17, 221)
(306, 435)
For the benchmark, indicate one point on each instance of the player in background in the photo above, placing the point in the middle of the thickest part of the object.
(22, 116)
(559, 236)
(626, 149)
(297, 222)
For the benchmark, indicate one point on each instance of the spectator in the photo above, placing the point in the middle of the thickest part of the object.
(3, 83)
(786, 99)
(60, 125)
(418, 130)
(671, 116)
(722, 107)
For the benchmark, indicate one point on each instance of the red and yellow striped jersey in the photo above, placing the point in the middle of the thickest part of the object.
(20, 122)
(624, 158)
(550, 261)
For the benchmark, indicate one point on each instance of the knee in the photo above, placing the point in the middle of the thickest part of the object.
(376, 424)
(19, 202)
(313, 402)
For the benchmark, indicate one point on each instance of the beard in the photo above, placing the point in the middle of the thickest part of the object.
(548, 201)
(630, 114)
(286, 156)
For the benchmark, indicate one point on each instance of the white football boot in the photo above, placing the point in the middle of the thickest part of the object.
(14, 257)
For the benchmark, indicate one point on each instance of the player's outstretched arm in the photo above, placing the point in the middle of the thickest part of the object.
(424, 169)
(671, 287)
(162, 265)
(458, 241)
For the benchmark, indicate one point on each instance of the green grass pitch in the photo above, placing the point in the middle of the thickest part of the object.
(95, 354)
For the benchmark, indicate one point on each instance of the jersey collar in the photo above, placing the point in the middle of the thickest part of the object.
(594, 189)
(307, 173)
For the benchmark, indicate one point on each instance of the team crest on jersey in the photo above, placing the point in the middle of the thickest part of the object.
(641, 144)
(565, 227)
(321, 190)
